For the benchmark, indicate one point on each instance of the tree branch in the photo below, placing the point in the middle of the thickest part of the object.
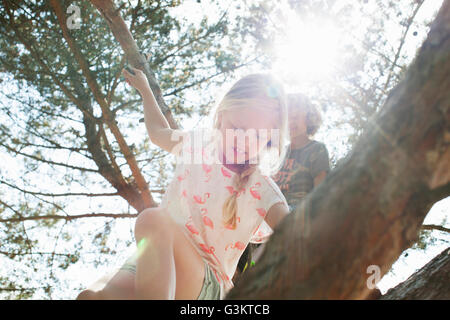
(47, 161)
(106, 112)
(29, 46)
(210, 77)
(180, 47)
(435, 227)
(59, 194)
(402, 42)
(431, 282)
(74, 217)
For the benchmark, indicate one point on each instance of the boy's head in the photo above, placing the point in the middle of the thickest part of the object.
(304, 117)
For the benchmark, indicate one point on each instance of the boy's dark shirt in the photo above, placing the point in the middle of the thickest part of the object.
(301, 166)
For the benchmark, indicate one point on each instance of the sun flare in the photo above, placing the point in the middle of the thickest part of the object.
(306, 50)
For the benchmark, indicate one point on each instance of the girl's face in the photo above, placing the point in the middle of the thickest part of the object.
(297, 122)
(242, 144)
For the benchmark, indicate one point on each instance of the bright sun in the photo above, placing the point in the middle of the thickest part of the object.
(306, 50)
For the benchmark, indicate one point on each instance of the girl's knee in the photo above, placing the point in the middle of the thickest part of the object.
(151, 220)
(89, 295)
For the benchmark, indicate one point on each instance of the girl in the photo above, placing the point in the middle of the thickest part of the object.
(189, 247)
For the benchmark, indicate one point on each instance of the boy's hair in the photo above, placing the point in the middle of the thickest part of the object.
(255, 91)
(298, 101)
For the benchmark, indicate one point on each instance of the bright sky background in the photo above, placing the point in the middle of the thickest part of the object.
(308, 53)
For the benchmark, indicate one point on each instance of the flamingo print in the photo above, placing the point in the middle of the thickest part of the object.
(209, 250)
(258, 233)
(183, 176)
(230, 227)
(206, 220)
(261, 212)
(184, 193)
(225, 173)
(224, 277)
(191, 228)
(237, 245)
(255, 194)
(205, 155)
(231, 190)
(217, 277)
(199, 200)
(207, 168)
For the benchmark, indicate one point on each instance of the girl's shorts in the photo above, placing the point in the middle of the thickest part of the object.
(210, 289)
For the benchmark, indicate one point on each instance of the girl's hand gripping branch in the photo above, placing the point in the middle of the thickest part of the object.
(138, 80)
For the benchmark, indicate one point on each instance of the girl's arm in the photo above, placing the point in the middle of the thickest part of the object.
(276, 213)
(157, 126)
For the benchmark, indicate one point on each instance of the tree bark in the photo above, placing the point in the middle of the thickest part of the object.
(432, 282)
(371, 207)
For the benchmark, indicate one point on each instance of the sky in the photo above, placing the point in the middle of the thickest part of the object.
(309, 46)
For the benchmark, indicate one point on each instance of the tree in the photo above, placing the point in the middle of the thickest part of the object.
(372, 206)
(430, 282)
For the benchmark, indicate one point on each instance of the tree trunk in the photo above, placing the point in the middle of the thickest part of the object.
(371, 207)
(432, 282)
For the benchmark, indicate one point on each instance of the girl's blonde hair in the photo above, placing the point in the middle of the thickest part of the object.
(313, 118)
(256, 91)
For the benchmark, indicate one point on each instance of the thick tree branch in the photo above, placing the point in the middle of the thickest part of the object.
(431, 282)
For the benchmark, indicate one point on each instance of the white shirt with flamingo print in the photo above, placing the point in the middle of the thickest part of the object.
(195, 198)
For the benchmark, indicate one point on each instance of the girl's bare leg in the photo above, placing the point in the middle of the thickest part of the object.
(155, 267)
(118, 286)
(189, 268)
(168, 266)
